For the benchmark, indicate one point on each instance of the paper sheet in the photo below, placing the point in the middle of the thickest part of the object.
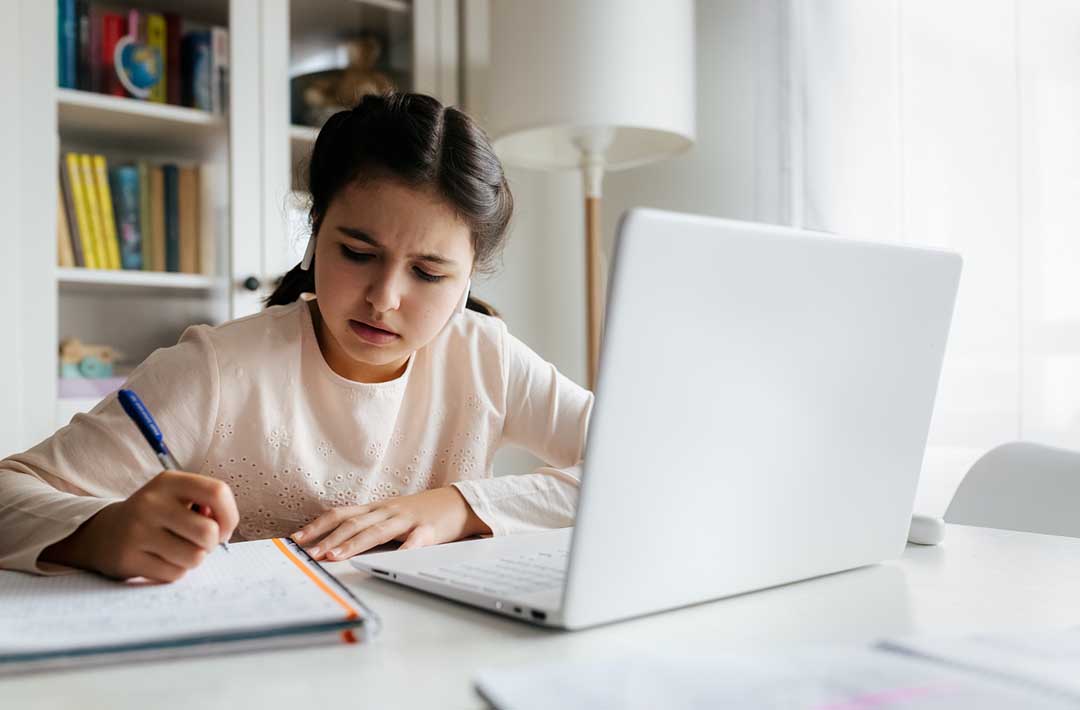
(826, 679)
(1050, 658)
(255, 585)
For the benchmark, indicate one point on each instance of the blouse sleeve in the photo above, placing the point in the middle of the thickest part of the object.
(48, 491)
(547, 414)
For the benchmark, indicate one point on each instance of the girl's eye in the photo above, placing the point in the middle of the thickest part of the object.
(432, 278)
(364, 256)
(354, 255)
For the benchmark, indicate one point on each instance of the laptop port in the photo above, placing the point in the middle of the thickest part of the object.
(380, 571)
(539, 615)
(517, 610)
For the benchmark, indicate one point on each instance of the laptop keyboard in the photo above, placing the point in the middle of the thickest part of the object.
(525, 574)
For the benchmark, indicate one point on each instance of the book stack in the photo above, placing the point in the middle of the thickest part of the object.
(135, 216)
(194, 57)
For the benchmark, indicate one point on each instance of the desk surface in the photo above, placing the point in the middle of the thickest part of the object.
(430, 649)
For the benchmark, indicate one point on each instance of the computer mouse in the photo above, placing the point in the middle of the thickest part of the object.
(926, 530)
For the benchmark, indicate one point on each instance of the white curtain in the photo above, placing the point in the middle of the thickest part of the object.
(955, 123)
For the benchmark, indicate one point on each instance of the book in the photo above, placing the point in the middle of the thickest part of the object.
(93, 209)
(157, 217)
(257, 595)
(219, 70)
(67, 30)
(172, 217)
(197, 64)
(172, 58)
(82, 47)
(113, 27)
(108, 215)
(76, 226)
(208, 216)
(124, 185)
(147, 241)
(188, 218)
(65, 256)
(156, 38)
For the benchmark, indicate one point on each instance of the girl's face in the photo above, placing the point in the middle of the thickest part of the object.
(391, 263)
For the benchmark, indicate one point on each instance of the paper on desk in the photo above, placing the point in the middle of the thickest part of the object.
(1049, 658)
(253, 586)
(826, 679)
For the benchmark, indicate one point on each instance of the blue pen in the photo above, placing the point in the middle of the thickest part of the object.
(139, 414)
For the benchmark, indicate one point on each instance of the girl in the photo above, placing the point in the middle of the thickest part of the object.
(366, 411)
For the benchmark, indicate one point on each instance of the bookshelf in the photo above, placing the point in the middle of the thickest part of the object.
(255, 150)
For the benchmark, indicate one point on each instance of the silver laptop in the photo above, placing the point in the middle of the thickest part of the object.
(761, 413)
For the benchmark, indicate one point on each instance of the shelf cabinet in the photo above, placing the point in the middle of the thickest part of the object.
(256, 148)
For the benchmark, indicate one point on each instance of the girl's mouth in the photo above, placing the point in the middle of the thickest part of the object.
(372, 335)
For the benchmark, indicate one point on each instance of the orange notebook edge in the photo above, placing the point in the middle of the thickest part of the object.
(350, 610)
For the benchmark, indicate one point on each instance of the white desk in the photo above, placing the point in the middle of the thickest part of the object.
(429, 648)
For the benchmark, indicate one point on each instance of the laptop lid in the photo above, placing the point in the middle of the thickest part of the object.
(762, 408)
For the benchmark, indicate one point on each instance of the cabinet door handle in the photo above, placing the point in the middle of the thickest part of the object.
(251, 283)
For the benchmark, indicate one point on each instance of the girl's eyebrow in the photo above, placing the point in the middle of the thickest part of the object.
(365, 237)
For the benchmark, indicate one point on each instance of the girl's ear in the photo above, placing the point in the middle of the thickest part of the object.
(464, 298)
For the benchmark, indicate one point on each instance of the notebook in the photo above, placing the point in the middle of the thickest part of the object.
(255, 595)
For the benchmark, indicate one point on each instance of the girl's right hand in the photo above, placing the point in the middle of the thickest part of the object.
(154, 533)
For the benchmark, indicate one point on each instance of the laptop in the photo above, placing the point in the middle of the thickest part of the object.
(762, 407)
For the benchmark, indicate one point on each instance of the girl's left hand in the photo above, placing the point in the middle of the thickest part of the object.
(425, 518)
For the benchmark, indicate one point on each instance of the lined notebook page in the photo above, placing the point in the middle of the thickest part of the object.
(253, 586)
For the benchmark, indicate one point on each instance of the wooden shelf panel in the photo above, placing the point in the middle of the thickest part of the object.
(86, 117)
(105, 280)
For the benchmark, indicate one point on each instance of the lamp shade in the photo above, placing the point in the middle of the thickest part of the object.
(615, 72)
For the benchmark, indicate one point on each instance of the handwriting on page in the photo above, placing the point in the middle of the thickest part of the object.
(252, 586)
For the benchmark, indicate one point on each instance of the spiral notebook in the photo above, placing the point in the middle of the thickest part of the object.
(256, 595)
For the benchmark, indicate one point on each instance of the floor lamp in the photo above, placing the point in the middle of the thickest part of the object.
(592, 85)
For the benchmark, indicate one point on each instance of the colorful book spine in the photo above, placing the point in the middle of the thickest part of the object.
(156, 38)
(157, 216)
(188, 212)
(65, 256)
(219, 70)
(172, 57)
(93, 211)
(207, 220)
(112, 29)
(172, 217)
(77, 232)
(67, 27)
(197, 66)
(147, 255)
(124, 185)
(82, 71)
(108, 218)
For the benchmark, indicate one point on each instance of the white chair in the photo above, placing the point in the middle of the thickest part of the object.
(1021, 486)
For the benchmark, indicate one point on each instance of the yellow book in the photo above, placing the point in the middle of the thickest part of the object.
(65, 255)
(108, 215)
(155, 38)
(97, 224)
(82, 210)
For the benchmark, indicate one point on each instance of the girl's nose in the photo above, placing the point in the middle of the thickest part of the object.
(385, 293)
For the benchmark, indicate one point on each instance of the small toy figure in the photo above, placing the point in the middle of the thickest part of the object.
(86, 361)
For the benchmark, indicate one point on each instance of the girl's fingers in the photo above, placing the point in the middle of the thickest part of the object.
(196, 528)
(326, 523)
(175, 550)
(156, 569)
(421, 536)
(348, 529)
(377, 534)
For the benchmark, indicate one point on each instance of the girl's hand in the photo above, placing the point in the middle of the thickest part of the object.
(154, 533)
(426, 518)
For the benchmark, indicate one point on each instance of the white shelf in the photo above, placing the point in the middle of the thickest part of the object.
(103, 119)
(108, 280)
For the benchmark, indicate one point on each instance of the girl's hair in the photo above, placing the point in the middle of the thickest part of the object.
(416, 140)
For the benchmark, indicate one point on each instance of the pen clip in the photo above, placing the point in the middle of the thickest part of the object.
(139, 414)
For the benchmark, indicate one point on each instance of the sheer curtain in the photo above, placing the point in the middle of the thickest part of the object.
(955, 123)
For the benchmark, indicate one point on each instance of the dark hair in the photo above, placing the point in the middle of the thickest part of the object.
(414, 139)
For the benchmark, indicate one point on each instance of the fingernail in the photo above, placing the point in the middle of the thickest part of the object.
(298, 536)
(314, 552)
(335, 552)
